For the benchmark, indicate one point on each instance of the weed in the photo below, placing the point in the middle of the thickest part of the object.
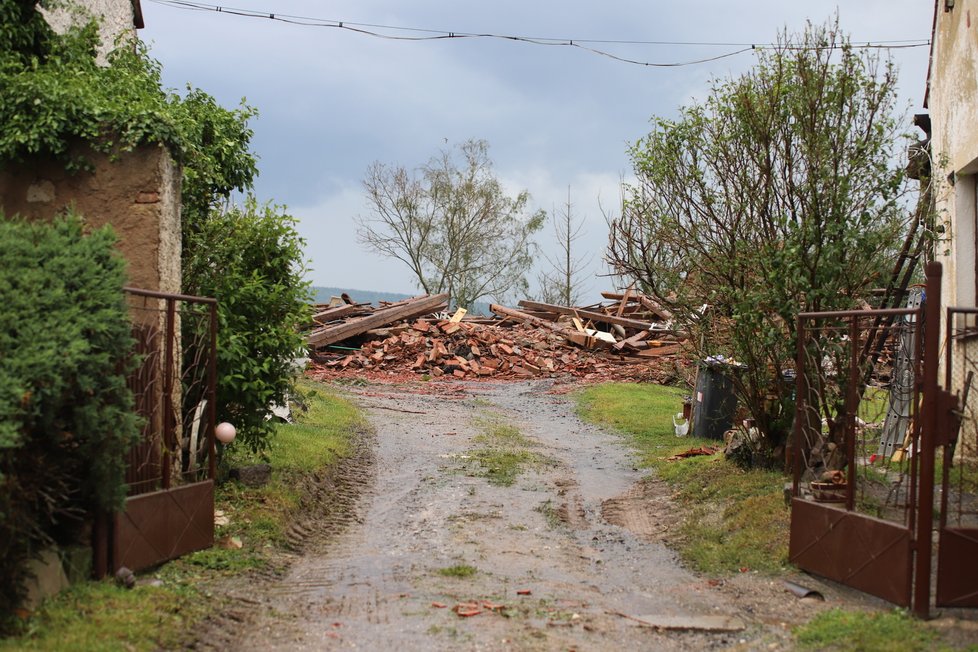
(504, 455)
(458, 570)
(550, 514)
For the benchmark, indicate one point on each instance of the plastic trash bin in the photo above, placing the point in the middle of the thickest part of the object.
(714, 402)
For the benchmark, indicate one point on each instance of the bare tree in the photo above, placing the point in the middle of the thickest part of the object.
(561, 283)
(451, 223)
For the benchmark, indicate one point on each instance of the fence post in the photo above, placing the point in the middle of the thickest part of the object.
(212, 393)
(928, 414)
(169, 420)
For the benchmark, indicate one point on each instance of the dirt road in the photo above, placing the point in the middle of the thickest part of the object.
(443, 555)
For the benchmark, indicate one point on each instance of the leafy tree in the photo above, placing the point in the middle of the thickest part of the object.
(561, 283)
(780, 193)
(250, 258)
(452, 224)
(66, 414)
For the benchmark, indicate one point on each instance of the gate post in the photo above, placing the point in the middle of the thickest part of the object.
(928, 414)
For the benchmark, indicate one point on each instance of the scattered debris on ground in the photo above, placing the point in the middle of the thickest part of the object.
(629, 338)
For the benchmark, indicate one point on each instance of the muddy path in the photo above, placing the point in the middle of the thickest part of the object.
(437, 555)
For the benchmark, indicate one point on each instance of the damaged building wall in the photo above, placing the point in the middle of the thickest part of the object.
(138, 194)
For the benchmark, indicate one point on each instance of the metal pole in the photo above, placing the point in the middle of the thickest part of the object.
(801, 396)
(212, 393)
(925, 517)
(852, 405)
(168, 420)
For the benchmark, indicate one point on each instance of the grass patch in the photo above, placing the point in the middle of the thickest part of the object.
(869, 632)
(458, 570)
(97, 616)
(735, 519)
(101, 616)
(549, 512)
(504, 454)
(320, 436)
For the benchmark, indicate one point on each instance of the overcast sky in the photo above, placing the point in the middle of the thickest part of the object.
(332, 101)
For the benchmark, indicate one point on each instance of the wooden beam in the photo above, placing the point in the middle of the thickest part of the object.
(407, 309)
(587, 314)
(521, 316)
(329, 314)
(624, 301)
(631, 342)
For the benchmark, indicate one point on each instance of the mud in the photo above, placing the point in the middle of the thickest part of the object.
(570, 557)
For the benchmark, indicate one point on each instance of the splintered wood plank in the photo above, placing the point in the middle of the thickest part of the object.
(632, 341)
(586, 314)
(519, 315)
(408, 309)
(658, 351)
(338, 312)
(457, 317)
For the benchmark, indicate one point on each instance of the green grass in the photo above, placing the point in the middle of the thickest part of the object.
(100, 616)
(504, 454)
(458, 570)
(836, 629)
(734, 519)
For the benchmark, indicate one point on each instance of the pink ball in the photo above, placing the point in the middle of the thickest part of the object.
(225, 432)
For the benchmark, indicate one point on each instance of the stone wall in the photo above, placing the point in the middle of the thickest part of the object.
(138, 194)
(117, 19)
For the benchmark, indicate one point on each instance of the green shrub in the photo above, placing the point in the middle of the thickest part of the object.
(66, 415)
(250, 259)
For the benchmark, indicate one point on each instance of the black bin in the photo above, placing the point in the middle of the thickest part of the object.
(714, 402)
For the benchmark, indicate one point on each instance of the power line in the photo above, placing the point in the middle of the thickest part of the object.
(425, 34)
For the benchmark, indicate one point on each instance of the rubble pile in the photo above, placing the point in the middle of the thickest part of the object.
(630, 338)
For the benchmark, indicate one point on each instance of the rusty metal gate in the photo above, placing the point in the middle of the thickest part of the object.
(870, 419)
(170, 473)
(957, 550)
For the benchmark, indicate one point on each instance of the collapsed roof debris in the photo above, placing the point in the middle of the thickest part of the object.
(629, 338)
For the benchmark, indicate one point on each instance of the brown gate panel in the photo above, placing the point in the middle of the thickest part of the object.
(860, 551)
(957, 568)
(164, 525)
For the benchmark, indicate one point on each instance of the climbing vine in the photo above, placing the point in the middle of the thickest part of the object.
(57, 101)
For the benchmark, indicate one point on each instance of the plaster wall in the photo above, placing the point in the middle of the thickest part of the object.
(138, 194)
(116, 20)
(953, 105)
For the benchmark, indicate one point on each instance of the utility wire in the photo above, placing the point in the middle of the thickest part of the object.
(422, 34)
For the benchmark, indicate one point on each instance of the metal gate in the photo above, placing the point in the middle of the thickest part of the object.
(957, 551)
(170, 472)
(871, 418)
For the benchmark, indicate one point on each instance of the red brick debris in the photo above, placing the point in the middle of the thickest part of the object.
(626, 340)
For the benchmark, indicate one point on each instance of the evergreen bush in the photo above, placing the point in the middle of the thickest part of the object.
(66, 414)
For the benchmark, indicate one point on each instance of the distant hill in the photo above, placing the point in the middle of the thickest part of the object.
(323, 294)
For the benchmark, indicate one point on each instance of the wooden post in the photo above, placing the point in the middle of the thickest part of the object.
(928, 437)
